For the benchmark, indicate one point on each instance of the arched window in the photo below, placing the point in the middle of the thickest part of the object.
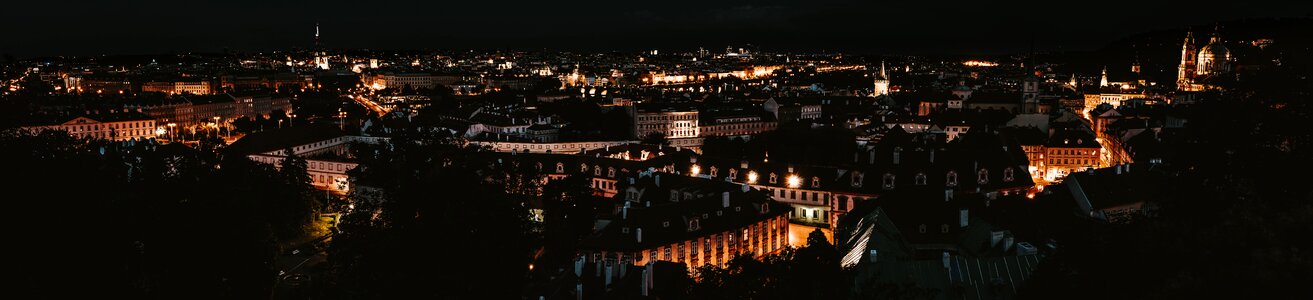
(773, 178)
(713, 171)
(816, 182)
(1007, 174)
(888, 181)
(982, 177)
(583, 168)
(597, 170)
(610, 172)
(560, 168)
(920, 179)
(857, 179)
(951, 178)
(733, 174)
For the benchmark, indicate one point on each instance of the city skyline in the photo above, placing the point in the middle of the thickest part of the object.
(154, 27)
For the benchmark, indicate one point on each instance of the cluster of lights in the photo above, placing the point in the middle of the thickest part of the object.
(979, 63)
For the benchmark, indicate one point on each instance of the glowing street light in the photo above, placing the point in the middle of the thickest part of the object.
(752, 176)
(693, 171)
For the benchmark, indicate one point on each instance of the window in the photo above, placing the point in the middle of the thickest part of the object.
(713, 171)
(693, 225)
(560, 168)
(1007, 174)
(888, 181)
(982, 177)
(922, 228)
(816, 182)
(733, 174)
(583, 168)
(920, 179)
(951, 179)
(857, 179)
(943, 228)
(665, 224)
(610, 172)
(597, 170)
(773, 178)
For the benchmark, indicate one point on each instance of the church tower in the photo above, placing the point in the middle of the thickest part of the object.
(321, 58)
(881, 82)
(1185, 74)
(1103, 80)
(1030, 95)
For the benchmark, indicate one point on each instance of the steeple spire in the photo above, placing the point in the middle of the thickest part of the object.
(881, 82)
(1104, 80)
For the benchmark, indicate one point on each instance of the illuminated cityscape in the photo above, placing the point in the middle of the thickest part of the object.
(773, 150)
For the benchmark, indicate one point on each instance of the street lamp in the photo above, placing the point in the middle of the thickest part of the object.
(172, 135)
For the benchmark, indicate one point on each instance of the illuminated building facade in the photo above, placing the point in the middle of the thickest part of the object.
(105, 126)
(693, 221)
(1212, 60)
(670, 121)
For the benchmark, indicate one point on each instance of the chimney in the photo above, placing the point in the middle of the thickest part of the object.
(743, 164)
(1119, 169)
(624, 211)
(1128, 168)
(944, 258)
(963, 217)
(932, 155)
(872, 256)
(744, 187)
(610, 267)
(871, 156)
(948, 195)
(647, 279)
(897, 155)
(657, 179)
(579, 266)
(724, 199)
(638, 235)
(579, 291)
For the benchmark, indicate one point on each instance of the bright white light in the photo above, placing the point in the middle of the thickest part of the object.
(794, 181)
(752, 176)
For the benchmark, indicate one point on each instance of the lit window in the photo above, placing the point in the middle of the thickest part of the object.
(951, 179)
(982, 177)
(713, 171)
(1007, 174)
(773, 178)
(888, 181)
(816, 182)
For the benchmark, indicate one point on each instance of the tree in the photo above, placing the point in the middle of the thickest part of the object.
(656, 138)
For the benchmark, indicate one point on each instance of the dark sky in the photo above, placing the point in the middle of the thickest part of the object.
(55, 27)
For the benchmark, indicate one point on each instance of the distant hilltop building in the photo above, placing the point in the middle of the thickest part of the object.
(1212, 60)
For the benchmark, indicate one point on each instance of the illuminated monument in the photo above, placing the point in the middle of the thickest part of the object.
(1212, 60)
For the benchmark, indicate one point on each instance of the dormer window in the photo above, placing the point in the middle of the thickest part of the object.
(538, 166)
(983, 176)
(920, 179)
(665, 223)
(560, 168)
(816, 182)
(943, 228)
(674, 196)
(693, 225)
(610, 172)
(773, 178)
(951, 179)
(1007, 175)
(733, 174)
(857, 179)
(922, 228)
(888, 181)
(583, 168)
(720, 213)
(597, 170)
(738, 208)
(705, 215)
(624, 229)
(713, 172)
(633, 196)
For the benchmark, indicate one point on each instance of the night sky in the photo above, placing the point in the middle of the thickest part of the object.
(52, 27)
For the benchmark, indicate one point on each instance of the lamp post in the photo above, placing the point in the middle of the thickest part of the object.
(172, 136)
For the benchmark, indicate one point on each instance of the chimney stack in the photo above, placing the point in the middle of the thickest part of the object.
(724, 199)
(638, 234)
(624, 211)
(657, 180)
